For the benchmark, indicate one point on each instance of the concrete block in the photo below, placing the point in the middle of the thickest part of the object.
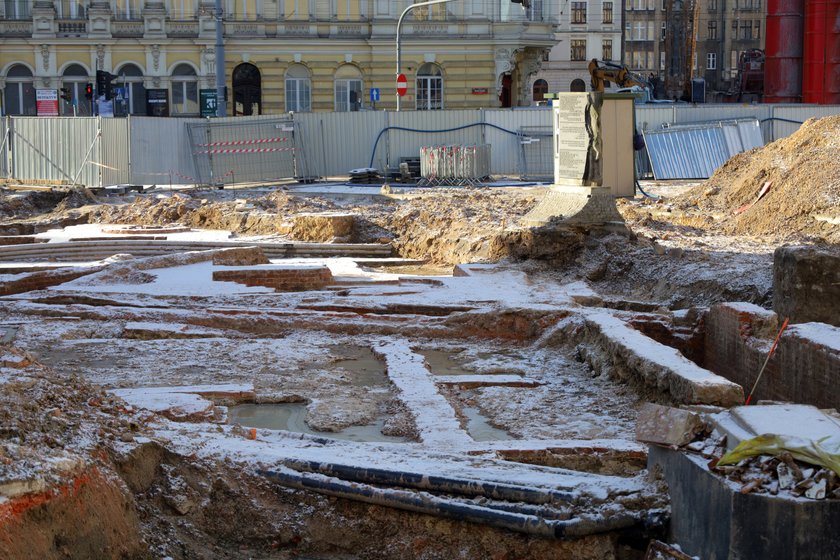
(806, 284)
(667, 426)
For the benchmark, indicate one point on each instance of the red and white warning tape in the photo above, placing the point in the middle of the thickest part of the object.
(245, 151)
(242, 142)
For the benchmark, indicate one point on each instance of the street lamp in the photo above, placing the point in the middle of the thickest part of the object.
(525, 4)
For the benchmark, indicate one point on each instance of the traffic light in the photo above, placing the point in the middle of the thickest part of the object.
(65, 95)
(89, 91)
(103, 84)
(525, 3)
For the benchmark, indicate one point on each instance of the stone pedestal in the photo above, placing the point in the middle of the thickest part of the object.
(574, 205)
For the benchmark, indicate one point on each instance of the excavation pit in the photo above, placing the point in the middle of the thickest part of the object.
(291, 417)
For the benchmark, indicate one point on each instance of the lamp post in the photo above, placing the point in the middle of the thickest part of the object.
(221, 104)
(399, 24)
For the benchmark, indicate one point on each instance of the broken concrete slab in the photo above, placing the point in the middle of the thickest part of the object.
(787, 420)
(666, 425)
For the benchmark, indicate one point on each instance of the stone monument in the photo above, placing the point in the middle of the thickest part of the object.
(577, 196)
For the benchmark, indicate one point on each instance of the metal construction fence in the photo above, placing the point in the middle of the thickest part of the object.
(454, 165)
(146, 150)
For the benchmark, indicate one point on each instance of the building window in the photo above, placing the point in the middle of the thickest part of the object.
(131, 77)
(578, 49)
(348, 89)
(577, 86)
(757, 29)
(247, 90)
(18, 9)
(746, 29)
(535, 10)
(712, 30)
(19, 95)
(712, 5)
(578, 12)
(298, 89)
(75, 78)
(711, 61)
(429, 86)
(184, 90)
(663, 30)
(608, 14)
(606, 49)
(540, 89)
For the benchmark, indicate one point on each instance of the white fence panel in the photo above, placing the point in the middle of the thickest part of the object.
(652, 117)
(54, 149)
(787, 118)
(719, 112)
(506, 150)
(114, 149)
(335, 143)
(405, 143)
(160, 151)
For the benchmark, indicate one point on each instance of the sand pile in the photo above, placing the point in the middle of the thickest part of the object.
(804, 196)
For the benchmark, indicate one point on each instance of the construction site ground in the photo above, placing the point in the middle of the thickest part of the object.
(461, 375)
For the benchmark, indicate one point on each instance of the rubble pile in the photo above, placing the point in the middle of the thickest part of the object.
(779, 475)
(804, 193)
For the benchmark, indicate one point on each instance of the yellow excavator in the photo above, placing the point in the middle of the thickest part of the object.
(602, 72)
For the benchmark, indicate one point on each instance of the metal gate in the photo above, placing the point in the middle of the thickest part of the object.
(247, 150)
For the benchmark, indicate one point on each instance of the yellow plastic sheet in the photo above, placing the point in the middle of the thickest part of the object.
(824, 452)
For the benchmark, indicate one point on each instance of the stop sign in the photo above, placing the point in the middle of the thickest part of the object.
(402, 85)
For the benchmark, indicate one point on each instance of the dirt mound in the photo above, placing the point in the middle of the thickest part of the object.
(804, 196)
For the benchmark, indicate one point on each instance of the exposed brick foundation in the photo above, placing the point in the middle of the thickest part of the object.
(804, 369)
(44, 279)
(281, 279)
(20, 239)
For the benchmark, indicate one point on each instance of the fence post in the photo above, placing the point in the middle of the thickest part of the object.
(99, 157)
(387, 142)
(129, 179)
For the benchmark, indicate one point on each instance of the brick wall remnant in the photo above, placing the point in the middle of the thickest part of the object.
(284, 279)
(240, 256)
(806, 284)
(805, 368)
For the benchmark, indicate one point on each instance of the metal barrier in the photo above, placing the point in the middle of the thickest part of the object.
(5, 152)
(536, 156)
(246, 151)
(454, 165)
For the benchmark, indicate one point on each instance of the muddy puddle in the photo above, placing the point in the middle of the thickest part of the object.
(443, 362)
(292, 418)
(480, 428)
(363, 368)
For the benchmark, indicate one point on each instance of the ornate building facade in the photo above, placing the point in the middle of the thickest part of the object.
(280, 55)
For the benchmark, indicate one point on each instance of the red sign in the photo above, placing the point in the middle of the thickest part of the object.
(402, 85)
(46, 102)
(480, 91)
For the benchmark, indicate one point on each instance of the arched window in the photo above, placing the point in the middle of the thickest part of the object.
(578, 85)
(184, 90)
(75, 78)
(348, 88)
(540, 89)
(429, 87)
(247, 90)
(130, 76)
(298, 89)
(19, 98)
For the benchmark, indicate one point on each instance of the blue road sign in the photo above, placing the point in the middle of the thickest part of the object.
(120, 93)
(374, 95)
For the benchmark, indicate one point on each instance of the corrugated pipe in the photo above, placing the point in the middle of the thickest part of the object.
(423, 502)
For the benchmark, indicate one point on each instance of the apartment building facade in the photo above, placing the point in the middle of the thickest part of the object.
(280, 55)
(586, 29)
(660, 34)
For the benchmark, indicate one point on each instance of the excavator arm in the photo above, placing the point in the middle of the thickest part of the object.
(601, 72)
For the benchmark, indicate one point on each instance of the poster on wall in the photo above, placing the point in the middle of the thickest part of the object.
(46, 102)
(207, 102)
(157, 102)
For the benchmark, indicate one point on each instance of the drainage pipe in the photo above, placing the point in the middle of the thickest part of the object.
(423, 502)
(463, 486)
